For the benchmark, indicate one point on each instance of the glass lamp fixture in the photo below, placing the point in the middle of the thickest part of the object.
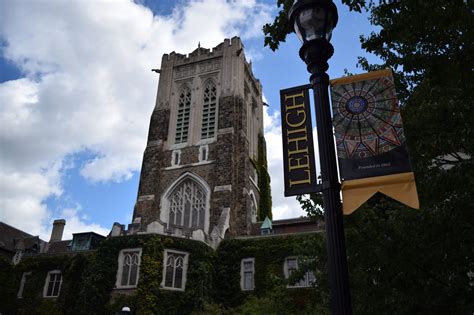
(313, 19)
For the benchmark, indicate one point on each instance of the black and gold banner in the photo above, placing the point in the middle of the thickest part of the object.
(298, 151)
(370, 140)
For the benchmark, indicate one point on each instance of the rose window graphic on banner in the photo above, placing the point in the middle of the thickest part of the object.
(366, 118)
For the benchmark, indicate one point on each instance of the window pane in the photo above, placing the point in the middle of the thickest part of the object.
(178, 282)
(248, 280)
(169, 277)
(248, 265)
(125, 274)
(292, 263)
(56, 287)
(50, 288)
(133, 275)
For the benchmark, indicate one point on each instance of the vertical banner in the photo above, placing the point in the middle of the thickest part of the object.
(297, 135)
(370, 141)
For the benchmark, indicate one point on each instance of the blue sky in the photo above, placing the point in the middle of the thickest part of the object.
(76, 94)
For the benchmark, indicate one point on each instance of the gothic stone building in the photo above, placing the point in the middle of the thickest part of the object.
(199, 178)
(194, 239)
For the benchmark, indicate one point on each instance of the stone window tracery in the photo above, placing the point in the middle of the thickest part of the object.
(129, 268)
(175, 269)
(182, 119)
(209, 110)
(187, 205)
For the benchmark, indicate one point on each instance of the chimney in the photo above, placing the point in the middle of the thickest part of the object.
(58, 229)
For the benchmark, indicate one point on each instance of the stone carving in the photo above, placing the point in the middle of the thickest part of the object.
(185, 71)
(209, 65)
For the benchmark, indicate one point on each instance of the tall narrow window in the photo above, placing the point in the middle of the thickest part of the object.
(247, 271)
(129, 268)
(209, 110)
(22, 284)
(187, 205)
(174, 271)
(182, 120)
(52, 284)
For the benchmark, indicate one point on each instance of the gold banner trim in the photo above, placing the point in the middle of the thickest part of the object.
(362, 77)
(400, 187)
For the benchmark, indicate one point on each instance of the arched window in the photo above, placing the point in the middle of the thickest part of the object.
(209, 110)
(182, 120)
(187, 205)
(129, 268)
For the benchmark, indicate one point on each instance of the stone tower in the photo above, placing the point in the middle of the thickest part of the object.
(199, 173)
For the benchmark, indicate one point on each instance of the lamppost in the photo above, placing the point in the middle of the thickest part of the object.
(313, 22)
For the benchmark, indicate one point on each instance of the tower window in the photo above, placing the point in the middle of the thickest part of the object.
(182, 120)
(209, 110)
(203, 153)
(187, 205)
(176, 158)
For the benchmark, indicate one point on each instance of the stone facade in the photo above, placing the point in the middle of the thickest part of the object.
(220, 165)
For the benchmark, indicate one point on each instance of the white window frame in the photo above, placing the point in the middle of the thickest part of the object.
(46, 284)
(308, 279)
(19, 295)
(121, 258)
(243, 271)
(167, 253)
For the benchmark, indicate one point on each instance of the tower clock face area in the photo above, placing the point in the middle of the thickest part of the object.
(366, 118)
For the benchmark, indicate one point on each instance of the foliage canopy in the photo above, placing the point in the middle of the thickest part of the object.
(403, 260)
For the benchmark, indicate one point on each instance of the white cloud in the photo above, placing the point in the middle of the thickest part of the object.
(282, 207)
(88, 87)
(76, 223)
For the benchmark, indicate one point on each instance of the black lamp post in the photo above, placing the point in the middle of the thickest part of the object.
(313, 22)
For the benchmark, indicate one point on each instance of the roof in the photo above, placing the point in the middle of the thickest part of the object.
(287, 226)
(267, 224)
(91, 233)
(59, 247)
(8, 234)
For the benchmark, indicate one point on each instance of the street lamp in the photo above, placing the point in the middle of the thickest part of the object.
(313, 22)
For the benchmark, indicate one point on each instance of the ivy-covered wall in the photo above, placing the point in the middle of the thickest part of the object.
(213, 278)
(265, 204)
(270, 283)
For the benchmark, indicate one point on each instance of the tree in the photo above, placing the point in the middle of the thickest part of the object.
(418, 261)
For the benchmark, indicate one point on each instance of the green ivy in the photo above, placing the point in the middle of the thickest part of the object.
(265, 204)
(270, 283)
(212, 286)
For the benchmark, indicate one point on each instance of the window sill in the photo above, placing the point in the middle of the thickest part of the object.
(172, 289)
(130, 287)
